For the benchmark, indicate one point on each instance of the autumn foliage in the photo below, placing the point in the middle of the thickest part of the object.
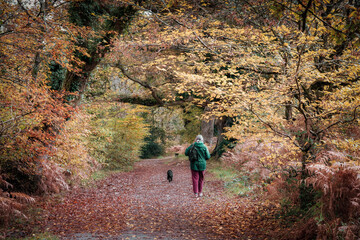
(285, 73)
(278, 80)
(34, 36)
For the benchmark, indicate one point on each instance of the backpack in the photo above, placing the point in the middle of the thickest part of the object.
(193, 154)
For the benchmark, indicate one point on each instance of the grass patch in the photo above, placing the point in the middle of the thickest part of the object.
(235, 182)
(100, 175)
(172, 158)
(41, 236)
(181, 157)
(239, 185)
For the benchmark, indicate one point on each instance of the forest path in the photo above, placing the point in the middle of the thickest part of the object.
(142, 204)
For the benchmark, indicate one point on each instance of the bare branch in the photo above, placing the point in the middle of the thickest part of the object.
(276, 131)
(317, 17)
(258, 71)
(198, 38)
(340, 121)
(6, 33)
(181, 24)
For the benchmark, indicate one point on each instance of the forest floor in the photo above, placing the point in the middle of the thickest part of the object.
(142, 204)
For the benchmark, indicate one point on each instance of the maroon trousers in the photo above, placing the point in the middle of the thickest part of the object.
(197, 180)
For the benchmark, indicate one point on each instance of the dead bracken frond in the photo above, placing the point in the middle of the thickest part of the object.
(340, 187)
(4, 184)
(12, 203)
(22, 198)
(9, 204)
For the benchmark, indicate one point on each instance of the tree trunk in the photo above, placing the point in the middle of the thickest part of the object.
(36, 66)
(207, 129)
(80, 13)
(288, 111)
(307, 193)
(221, 142)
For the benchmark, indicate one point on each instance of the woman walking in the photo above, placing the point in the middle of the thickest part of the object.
(198, 163)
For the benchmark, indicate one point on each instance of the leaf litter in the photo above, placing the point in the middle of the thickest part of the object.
(142, 204)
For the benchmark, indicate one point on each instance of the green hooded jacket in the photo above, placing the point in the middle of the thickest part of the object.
(203, 152)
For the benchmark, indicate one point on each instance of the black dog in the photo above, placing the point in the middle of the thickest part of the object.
(169, 175)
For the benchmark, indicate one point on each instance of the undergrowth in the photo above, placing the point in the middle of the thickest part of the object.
(235, 182)
(328, 209)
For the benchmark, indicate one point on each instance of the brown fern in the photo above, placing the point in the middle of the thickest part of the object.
(53, 179)
(340, 200)
(22, 198)
(12, 204)
(4, 184)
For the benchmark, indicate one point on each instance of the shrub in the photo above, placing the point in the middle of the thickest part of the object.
(151, 149)
(72, 152)
(117, 133)
(127, 138)
(154, 143)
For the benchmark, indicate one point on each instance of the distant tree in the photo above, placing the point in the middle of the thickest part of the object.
(154, 143)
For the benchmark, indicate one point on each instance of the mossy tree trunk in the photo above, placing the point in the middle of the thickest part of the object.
(87, 13)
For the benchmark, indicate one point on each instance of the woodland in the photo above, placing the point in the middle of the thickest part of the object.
(89, 86)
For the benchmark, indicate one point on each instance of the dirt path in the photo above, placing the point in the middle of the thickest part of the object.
(142, 204)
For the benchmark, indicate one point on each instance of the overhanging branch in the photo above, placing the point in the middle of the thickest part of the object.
(142, 83)
(150, 102)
